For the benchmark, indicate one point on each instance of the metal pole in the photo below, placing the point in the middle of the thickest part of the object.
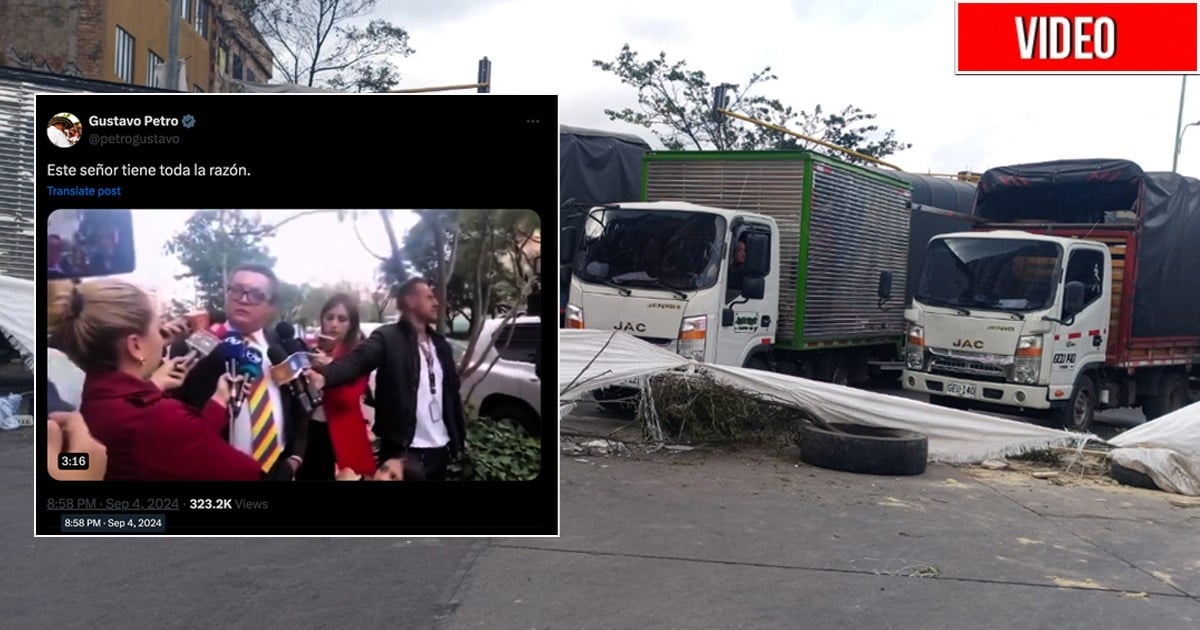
(1179, 126)
(173, 46)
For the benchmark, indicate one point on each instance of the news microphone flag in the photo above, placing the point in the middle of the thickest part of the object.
(290, 368)
(203, 342)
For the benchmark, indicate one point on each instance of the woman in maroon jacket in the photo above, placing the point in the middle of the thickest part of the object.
(111, 330)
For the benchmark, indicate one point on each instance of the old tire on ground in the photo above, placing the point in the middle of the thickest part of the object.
(1130, 477)
(758, 362)
(1172, 395)
(864, 449)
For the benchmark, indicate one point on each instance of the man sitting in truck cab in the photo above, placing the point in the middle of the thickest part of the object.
(737, 270)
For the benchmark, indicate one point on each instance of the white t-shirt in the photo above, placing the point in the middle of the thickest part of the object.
(431, 429)
(58, 137)
(241, 436)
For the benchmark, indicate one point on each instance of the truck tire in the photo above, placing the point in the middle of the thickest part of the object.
(864, 449)
(1172, 395)
(1080, 410)
(1130, 477)
(758, 362)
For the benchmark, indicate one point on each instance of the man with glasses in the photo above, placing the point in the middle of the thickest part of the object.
(419, 412)
(271, 427)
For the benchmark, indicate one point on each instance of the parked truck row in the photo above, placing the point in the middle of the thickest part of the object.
(786, 261)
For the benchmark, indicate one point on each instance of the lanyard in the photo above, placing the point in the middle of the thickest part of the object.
(427, 351)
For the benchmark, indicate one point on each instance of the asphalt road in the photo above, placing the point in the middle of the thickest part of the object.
(209, 583)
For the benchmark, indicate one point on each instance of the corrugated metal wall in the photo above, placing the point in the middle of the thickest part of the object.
(17, 135)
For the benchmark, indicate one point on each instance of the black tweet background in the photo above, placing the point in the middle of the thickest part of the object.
(312, 152)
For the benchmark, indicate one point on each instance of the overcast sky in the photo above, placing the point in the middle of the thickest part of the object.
(894, 59)
(315, 249)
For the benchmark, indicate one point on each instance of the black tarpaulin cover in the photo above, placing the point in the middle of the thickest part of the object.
(932, 192)
(597, 167)
(1095, 192)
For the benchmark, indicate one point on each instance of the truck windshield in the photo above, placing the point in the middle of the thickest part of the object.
(1003, 274)
(673, 250)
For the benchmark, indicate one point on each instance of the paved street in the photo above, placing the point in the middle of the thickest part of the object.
(703, 539)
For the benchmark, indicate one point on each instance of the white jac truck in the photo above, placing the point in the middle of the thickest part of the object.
(1078, 294)
(819, 241)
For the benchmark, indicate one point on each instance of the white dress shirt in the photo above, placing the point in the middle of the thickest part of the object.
(241, 437)
(431, 429)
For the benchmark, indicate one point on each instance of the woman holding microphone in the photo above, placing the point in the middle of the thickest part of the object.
(111, 330)
(337, 434)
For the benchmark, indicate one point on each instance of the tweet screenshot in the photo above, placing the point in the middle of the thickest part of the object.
(304, 315)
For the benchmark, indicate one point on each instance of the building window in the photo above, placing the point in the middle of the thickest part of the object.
(237, 67)
(152, 70)
(223, 58)
(202, 11)
(185, 11)
(250, 75)
(124, 55)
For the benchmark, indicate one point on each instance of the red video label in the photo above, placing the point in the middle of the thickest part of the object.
(1129, 38)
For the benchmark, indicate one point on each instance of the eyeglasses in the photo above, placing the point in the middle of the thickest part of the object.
(334, 317)
(249, 296)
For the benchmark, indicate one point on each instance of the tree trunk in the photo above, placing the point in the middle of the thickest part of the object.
(444, 273)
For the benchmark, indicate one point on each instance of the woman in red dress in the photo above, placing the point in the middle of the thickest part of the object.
(337, 434)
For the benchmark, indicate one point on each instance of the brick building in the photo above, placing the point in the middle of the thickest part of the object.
(126, 41)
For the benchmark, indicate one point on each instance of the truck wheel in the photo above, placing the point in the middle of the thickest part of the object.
(1172, 395)
(1080, 409)
(758, 362)
(864, 449)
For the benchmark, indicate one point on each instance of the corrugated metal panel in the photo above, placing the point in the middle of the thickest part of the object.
(771, 187)
(859, 227)
(18, 131)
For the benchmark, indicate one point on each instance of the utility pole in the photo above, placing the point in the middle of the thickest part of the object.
(173, 45)
(1179, 126)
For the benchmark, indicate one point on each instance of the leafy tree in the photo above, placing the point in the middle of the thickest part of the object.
(213, 243)
(675, 103)
(322, 42)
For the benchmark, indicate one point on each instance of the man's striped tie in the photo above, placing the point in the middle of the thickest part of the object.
(265, 444)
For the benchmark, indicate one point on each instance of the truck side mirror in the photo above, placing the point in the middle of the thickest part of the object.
(885, 286)
(1072, 300)
(754, 287)
(758, 255)
(566, 249)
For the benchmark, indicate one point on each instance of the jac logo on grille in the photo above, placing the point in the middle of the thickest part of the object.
(968, 343)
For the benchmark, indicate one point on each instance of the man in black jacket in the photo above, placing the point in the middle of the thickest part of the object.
(418, 406)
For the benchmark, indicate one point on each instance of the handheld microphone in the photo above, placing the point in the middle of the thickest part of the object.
(202, 343)
(286, 371)
(250, 368)
(287, 335)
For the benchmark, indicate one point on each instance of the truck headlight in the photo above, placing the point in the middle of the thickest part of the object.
(1028, 360)
(693, 337)
(914, 348)
(574, 317)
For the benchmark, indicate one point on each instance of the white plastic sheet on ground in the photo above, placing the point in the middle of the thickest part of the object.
(1167, 449)
(591, 359)
(17, 316)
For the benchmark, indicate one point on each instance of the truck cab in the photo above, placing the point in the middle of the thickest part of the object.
(1011, 319)
(700, 281)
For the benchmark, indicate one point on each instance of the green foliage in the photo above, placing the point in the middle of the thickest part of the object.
(697, 408)
(213, 243)
(675, 103)
(326, 42)
(484, 247)
(498, 451)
